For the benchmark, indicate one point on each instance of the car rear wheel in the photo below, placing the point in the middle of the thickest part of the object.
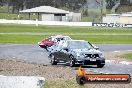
(52, 60)
(72, 61)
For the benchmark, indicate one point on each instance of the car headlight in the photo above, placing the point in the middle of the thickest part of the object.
(80, 55)
(101, 55)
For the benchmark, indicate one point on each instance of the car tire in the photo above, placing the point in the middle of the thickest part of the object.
(52, 60)
(100, 65)
(80, 80)
(46, 47)
(72, 61)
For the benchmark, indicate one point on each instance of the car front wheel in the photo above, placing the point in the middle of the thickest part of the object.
(72, 61)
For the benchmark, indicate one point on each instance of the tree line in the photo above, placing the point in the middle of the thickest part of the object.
(72, 5)
(26, 4)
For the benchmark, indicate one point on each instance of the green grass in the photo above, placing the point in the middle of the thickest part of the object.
(106, 39)
(15, 16)
(33, 39)
(90, 19)
(8, 16)
(63, 84)
(127, 56)
(87, 19)
(21, 39)
(98, 35)
(63, 29)
(5, 9)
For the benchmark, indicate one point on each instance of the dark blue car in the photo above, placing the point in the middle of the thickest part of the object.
(76, 52)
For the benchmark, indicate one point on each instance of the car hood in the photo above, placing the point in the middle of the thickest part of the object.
(86, 51)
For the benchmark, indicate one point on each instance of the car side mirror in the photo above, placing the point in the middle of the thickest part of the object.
(95, 47)
(65, 48)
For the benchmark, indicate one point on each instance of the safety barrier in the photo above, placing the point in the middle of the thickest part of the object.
(21, 82)
(63, 23)
(36, 22)
(112, 25)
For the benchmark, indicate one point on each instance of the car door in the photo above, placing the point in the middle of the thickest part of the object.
(66, 54)
(57, 52)
(63, 54)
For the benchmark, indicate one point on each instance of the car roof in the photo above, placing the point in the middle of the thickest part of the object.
(77, 40)
(56, 35)
(70, 41)
(59, 36)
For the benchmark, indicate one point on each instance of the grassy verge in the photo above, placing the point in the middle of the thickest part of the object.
(33, 39)
(63, 84)
(90, 19)
(127, 56)
(10, 16)
(20, 39)
(98, 35)
(63, 29)
(105, 39)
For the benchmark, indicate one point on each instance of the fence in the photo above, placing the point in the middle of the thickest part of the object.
(61, 23)
(112, 25)
(46, 22)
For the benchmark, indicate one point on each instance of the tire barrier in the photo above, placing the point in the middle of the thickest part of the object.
(82, 78)
(112, 25)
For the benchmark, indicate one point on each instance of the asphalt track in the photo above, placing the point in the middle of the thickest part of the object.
(114, 47)
(34, 54)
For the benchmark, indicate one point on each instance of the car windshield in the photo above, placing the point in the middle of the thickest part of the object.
(79, 45)
(67, 38)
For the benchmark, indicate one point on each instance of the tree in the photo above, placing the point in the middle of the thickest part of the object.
(73, 5)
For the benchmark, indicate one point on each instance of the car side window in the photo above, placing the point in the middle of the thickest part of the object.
(65, 45)
(59, 47)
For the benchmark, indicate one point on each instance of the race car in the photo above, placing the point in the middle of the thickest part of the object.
(76, 52)
(48, 42)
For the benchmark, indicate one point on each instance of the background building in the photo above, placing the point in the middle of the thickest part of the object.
(124, 18)
(48, 13)
(111, 18)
